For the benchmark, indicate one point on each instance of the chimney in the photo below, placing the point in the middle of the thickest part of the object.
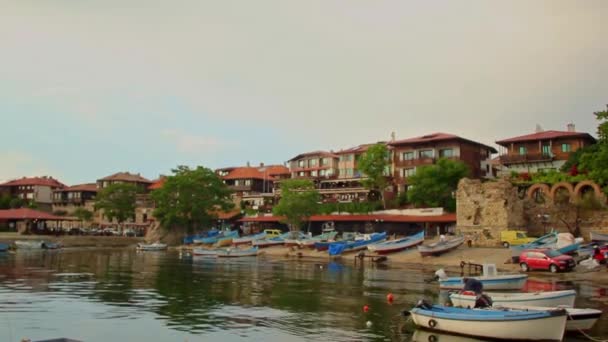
(392, 136)
(571, 127)
(248, 164)
(538, 128)
(261, 164)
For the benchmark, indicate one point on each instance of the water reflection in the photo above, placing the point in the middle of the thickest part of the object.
(100, 295)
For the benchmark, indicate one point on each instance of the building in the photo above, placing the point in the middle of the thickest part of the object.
(37, 190)
(542, 150)
(315, 165)
(410, 154)
(124, 177)
(70, 198)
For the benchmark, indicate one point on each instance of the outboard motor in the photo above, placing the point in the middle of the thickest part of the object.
(483, 301)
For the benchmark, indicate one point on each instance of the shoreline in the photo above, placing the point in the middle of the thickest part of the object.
(69, 241)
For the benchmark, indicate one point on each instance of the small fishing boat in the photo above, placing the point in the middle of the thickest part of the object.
(340, 247)
(51, 245)
(543, 299)
(248, 239)
(157, 246)
(578, 319)
(398, 245)
(275, 241)
(325, 237)
(441, 247)
(237, 253)
(216, 237)
(226, 238)
(4, 247)
(294, 239)
(502, 324)
(599, 237)
(204, 252)
(29, 244)
(490, 280)
(546, 241)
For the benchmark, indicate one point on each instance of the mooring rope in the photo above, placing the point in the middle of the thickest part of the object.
(582, 332)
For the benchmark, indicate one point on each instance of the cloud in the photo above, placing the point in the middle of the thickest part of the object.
(189, 143)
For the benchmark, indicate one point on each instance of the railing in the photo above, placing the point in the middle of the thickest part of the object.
(530, 157)
(414, 162)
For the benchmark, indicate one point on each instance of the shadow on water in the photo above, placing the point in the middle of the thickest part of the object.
(161, 297)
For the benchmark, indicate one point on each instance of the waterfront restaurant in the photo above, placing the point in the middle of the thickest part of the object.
(25, 220)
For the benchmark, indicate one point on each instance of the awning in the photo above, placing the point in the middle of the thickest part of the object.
(445, 218)
(28, 214)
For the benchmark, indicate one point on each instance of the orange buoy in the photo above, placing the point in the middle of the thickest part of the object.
(390, 298)
(365, 308)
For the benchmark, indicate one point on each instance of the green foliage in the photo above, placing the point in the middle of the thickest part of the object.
(575, 157)
(553, 177)
(602, 129)
(83, 214)
(351, 207)
(117, 201)
(32, 205)
(60, 212)
(16, 202)
(594, 161)
(299, 201)
(373, 163)
(5, 201)
(434, 185)
(190, 198)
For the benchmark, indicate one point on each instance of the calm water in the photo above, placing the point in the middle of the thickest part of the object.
(121, 295)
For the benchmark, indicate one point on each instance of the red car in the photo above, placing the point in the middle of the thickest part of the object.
(545, 259)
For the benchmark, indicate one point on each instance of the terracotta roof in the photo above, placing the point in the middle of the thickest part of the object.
(546, 135)
(27, 214)
(248, 172)
(157, 184)
(91, 187)
(437, 137)
(126, 177)
(42, 181)
(445, 218)
(359, 149)
(277, 170)
(223, 215)
(314, 153)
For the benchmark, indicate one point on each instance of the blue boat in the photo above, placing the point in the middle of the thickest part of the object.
(3, 247)
(502, 324)
(546, 241)
(569, 249)
(216, 237)
(340, 247)
(188, 240)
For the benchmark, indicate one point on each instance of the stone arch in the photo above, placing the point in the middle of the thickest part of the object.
(533, 191)
(560, 187)
(581, 186)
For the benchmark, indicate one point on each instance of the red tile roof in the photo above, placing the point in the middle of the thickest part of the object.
(41, 181)
(223, 215)
(358, 149)
(158, 183)
(126, 177)
(314, 153)
(268, 172)
(27, 214)
(546, 135)
(445, 218)
(90, 187)
(437, 137)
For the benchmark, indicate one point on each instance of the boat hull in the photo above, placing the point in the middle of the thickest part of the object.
(266, 244)
(546, 327)
(29, 244)
(3, 247)
(440, 248)
(238, 253)
(152, 247)
(204, 252)
(595, 236)
(578, 319)
(499, 282)
(542, 299)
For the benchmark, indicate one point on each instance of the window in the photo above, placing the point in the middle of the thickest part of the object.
(321, 173)
(546, 149)
(312, 162)
(349, 172)
(325, 161)
(301, 174)
(522, 150)
(300, 163)
(313, 173)
(426, 154)
(248, 182)
(566, 148)
(408, 172)
(521, 236)
(408, 155)
(446, 153)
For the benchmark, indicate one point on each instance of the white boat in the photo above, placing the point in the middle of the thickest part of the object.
(578, 319)
(502, 324)
(490, 279)
(398, 245)
(157, 246)
(204, 252)
(237, 253)
(248, 239)
(542, 299)
(441, 247)
(29, 244)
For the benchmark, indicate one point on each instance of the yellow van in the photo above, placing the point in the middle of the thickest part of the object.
(271, 233)
(510, 238)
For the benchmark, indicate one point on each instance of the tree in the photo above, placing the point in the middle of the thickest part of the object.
(374, 163)
(16, 202)
(117, 201)
(190, 198)
(594, 161)
(83, 215)
(602, 129)
(5, 201)
(434, 185)
(299, 201)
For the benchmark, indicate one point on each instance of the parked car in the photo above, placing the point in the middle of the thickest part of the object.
(545, 259)
(129, 233)
(510, 238)
(271, 233)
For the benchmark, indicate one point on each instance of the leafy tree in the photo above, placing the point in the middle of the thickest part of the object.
(5, 201)
(83, 215)
(16, 202)
(299, 201)
(594, 162)
(190, 199)
(374, 164)
(602, 129)
(434, 185)
(117, 201)
(574, 160)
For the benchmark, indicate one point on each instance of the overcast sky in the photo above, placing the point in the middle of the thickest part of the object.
(89, 88)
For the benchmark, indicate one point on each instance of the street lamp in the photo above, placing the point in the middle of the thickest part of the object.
(544, 219)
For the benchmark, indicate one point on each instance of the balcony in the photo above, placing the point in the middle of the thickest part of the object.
(526, 158)
(414, 162)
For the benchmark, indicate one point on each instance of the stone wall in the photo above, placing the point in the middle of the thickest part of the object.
(483, 209)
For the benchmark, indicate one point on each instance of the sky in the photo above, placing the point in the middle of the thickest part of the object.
(90, 88)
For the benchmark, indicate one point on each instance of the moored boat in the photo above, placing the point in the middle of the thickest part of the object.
(545, 241)
(237, 253)
(340, 247)
(3, 247)
(275, 241)
(599, 237)
(441, 247)
(51, 245)
(578, 319)
(543, 299)
(204, 252)
(294, 239)
(490, 280)
(502, 324)
(29, 244)
(325, 237)
(157, 246)
(248, 239)
(398, 245)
